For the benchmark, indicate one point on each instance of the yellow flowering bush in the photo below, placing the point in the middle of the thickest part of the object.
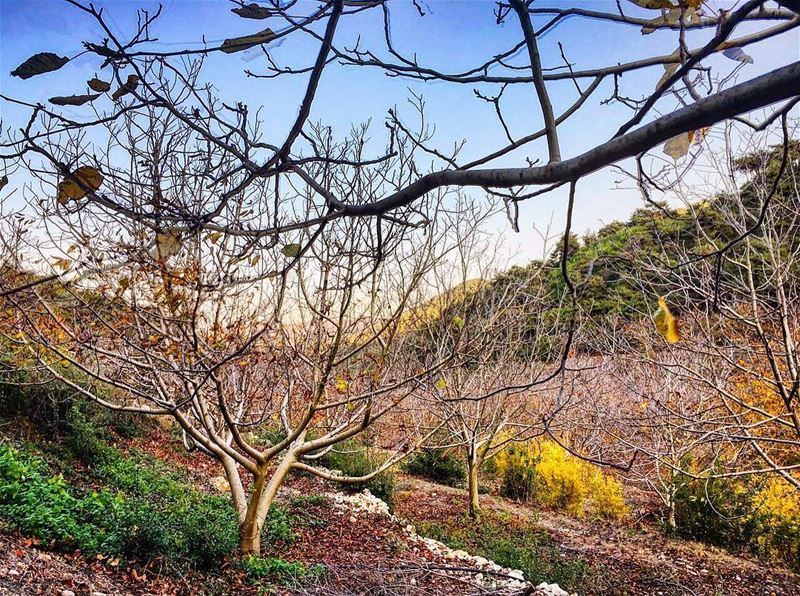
(516, 465)
(545, 473)
(560, 479)
(777, 522)
(606, 496)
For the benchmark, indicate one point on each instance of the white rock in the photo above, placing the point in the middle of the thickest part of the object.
(220, 484)
(67, 593)
(546, 589)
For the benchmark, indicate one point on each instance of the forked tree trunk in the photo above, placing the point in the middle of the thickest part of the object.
(250, 529)
(262, 495)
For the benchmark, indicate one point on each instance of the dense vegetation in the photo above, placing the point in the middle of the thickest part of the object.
(618, 270)
(64, 483)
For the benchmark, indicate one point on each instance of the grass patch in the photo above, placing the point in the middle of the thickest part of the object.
(515, 544)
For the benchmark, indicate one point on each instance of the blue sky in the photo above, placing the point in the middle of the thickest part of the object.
(454, 35)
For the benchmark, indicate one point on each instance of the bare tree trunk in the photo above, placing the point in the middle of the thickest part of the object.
(250, 529)
(473, 466)
(237, 490)
(671, 511)
(261, 498)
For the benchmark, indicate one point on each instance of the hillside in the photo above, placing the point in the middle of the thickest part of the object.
(361, 549)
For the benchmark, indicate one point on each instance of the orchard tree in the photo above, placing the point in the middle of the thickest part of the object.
(155, 187)
(714, 392)
(265, 356)
(503, 343)
(737, 289)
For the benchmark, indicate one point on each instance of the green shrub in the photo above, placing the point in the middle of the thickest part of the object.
(516, 465)
(140, 513)
(84, 439)
(712, 511)
(286, 573)
(278, 526)
(440, 465)
(352, 459)
(42, 505)
(761, 516)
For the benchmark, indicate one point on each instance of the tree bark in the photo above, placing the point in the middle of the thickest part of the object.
(473, 466)
(261, 498)
(671, 512)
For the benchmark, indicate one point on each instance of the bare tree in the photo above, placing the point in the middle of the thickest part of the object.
(747, 295)
(227, 336)
(725, 395)
(190, 219)
(504, 342)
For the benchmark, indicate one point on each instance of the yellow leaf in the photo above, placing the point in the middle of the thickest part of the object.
(237, 44)
(440, 384)
(666, 323)
(76, 185)
(341, 385)
(678, 146)
(214, 237)
(167, 244)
